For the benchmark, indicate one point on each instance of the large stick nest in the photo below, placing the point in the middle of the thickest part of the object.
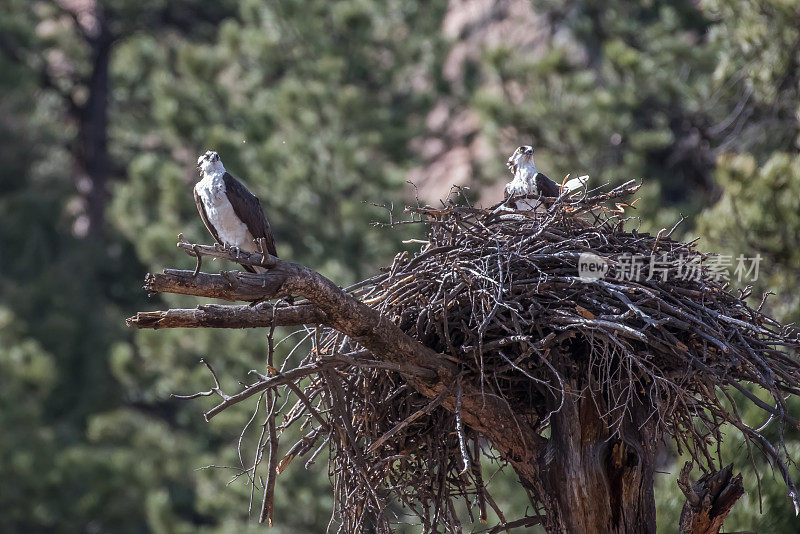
(499, 294)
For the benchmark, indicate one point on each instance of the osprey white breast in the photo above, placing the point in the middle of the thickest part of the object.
(219, 210)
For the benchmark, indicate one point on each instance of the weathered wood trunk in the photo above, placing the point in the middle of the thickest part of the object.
(594, 481)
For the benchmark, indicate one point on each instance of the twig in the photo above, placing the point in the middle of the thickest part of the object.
(267, 505)
(216, 390)
(462, 442)
(407, 421)
(268, 383)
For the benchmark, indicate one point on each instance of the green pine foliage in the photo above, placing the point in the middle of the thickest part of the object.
(758, 213)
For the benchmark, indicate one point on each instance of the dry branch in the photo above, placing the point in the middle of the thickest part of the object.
(709, 500)
(265, 383)
(220, 316)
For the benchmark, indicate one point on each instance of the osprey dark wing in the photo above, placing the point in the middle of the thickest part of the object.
(248, 209)
(546, 187)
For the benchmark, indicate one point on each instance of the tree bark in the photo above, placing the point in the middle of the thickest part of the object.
(217, 316)
(594, 481)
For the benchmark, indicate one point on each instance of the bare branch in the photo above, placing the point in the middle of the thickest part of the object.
(228, 285)
(268, 383)
(709, 500)
(237, 256)
(216, 390)
(407, 421)
(462, 442)
(222, 316)
(267, 505)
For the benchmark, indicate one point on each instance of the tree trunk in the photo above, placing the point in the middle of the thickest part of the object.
(93, 156)
(591, 480)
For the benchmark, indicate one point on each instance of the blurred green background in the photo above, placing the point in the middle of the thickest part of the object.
(325, 109)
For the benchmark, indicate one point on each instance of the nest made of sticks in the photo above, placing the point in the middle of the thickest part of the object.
(498, 293)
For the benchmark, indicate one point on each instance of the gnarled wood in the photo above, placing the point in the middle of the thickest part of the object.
(709, 500)
(593, 481)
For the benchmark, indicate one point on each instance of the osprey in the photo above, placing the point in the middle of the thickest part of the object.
(527, 181)
(231, 213)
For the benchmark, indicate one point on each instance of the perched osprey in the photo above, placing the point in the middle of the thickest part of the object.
(231, 213)
(527, 181)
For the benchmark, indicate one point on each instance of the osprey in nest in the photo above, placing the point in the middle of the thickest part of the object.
(529, 182)
(231, 213)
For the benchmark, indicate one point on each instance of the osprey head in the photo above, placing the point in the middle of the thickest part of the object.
(210, 163)
(522, 156)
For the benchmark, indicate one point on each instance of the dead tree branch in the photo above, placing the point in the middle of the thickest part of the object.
(220, 316)
(709, 500)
